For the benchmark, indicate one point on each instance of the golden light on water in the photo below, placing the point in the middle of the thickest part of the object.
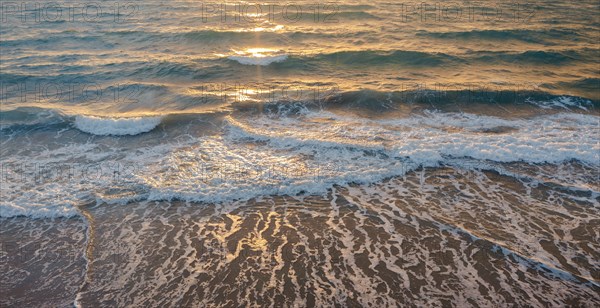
(312, 153)
(258, 52)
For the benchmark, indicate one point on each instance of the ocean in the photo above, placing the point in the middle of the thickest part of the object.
(301, 154)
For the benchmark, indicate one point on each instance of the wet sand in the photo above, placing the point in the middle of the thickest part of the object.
(423, 240)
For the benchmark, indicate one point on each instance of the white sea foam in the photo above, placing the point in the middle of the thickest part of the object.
(563, 102)
(312, 153)
(271, 155)
(546, 139)
(38, 210)
(116, 126)
(260, 60)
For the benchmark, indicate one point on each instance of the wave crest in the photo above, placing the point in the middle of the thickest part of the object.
(116, 126)
(263, 61)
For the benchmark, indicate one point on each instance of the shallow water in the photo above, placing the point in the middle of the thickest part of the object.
(357, 154)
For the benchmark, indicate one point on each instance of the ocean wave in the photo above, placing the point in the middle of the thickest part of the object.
(562, 102)
(436, 59)
(546, 57)
(262, 61)
(241, 36)
(438, 97)
(303, 153)
(374, 57)
(585, 86)
(435, 135)
(31, 117)
(60, 39)
(529, 36)
(116, 126)
(165, 69)
(352, 15)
